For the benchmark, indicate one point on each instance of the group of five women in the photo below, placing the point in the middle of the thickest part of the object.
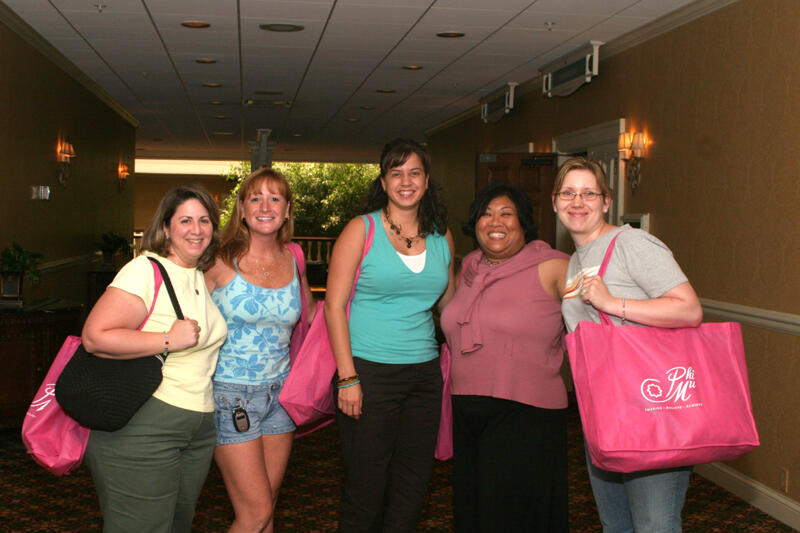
(502, 317)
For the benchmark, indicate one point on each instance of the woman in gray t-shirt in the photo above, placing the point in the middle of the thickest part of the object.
(643, 285)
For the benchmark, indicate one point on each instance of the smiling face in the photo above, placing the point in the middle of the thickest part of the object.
(498, 231)
(406, 184)
(265, 209)
(583, 219)
(189, 233)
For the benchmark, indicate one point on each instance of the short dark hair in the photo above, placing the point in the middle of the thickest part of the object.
(432, 211)
(516, 195)
(155, 239)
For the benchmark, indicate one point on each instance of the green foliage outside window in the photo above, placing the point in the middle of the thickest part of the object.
(326, 195)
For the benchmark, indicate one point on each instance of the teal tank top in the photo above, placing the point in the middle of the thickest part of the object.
(390, 316)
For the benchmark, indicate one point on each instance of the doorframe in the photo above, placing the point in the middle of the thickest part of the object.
(583, 140)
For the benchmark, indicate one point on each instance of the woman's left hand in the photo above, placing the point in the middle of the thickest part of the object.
(595, 293)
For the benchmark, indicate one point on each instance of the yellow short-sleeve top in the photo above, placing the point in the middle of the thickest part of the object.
(187, 373)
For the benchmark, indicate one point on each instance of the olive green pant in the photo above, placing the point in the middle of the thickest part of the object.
(149, 474)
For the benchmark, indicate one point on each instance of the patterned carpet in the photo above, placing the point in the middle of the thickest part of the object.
(32, 500)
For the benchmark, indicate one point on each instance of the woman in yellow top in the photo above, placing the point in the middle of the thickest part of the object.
(149, 474)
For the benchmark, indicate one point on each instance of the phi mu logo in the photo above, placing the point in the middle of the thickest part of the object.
(39, 404)
(678, 388)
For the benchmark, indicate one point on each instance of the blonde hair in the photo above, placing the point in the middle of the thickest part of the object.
(582, 163)
(235, 240)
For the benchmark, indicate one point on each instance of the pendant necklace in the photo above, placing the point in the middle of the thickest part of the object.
(396, 231)
(263, 268)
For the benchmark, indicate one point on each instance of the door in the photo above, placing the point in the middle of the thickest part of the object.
(534, 174)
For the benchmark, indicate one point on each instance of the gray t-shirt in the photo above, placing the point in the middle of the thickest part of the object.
(641, 267)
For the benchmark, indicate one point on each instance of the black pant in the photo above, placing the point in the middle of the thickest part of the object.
(509, 467)
(388, 452)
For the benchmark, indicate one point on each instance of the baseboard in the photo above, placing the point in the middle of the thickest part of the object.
(772, 502)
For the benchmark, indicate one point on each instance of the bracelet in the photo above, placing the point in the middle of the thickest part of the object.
(344, 381)
(356, 382)
(166, 344)
(623, 310)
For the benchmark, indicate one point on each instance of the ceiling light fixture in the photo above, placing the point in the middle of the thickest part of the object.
(279, 103)
(281, 28)
(223, 133)
(213, 85)
(367, 107)
(297, 134)
(195, 24)
(412, 67)
(352, 119)
(216, 102)
(205, 60)
(450, 34)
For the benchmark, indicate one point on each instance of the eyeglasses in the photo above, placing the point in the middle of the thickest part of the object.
(586, 196)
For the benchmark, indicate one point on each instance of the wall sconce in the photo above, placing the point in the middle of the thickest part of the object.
(65, 152)
(631, 147)
(122, 175)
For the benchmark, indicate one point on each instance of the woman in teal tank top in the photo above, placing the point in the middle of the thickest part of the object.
(389, 382)
(256, 285)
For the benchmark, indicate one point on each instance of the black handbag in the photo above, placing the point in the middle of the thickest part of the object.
(103, 393)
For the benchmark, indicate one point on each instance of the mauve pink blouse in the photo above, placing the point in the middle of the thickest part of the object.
(505, 331)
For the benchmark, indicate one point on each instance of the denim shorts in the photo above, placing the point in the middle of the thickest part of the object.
(267, 416)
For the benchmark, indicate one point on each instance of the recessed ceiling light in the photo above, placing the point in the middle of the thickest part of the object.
(549, 25)
(223, 133)
(195, 24)
(249, 101)
(450, 34)
(352, 119)
(367, 107)
(269, 93)
(286, 103)
(220, 117)
(212, 85)
(412, 67)
(216, 102)
(205, 60)
(282, 28)
(297, 134)
(385, 91)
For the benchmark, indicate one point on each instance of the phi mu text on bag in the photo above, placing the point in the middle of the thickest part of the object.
(653, 398)
(53, 439)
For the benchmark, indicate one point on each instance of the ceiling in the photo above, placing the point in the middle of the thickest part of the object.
(317, 89)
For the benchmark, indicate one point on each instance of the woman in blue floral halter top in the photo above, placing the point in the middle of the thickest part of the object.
(256, 284)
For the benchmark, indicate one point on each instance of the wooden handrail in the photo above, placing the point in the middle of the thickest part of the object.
(316, 248)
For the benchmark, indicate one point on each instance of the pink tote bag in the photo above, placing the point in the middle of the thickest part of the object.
(653, 398)
(53, 438)
(444, 441)
(308, 394)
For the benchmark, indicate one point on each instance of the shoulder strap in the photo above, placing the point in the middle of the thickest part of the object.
(367, 246)
(299, 257)
(607, 257)
(170, 290)
(603, 316)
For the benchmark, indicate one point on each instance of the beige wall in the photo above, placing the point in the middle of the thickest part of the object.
(38, 104)
(150, 188)
(718, 97)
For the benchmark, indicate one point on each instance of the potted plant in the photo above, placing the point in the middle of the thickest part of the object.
(15, 261)
(110, 243)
